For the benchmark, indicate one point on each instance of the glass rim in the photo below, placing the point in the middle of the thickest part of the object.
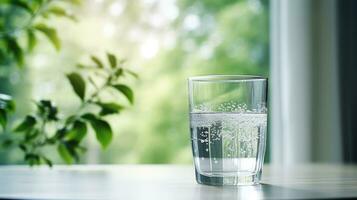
(227, 78)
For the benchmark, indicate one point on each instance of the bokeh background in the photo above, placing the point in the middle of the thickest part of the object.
(164, 41)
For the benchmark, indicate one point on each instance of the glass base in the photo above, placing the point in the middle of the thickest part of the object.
(230, 180)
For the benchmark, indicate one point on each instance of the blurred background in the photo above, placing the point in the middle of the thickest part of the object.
(306, 48)
(164, 42)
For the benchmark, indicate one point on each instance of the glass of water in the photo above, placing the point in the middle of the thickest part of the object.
(228, 124)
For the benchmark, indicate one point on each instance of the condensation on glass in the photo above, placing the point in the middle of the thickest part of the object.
(228, 124)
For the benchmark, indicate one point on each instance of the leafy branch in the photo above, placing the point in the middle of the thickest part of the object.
(45, 128)
(37, 12)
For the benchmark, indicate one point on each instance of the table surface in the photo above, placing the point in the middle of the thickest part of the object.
(172, 182)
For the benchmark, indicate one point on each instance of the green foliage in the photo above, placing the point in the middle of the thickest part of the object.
(60, 12)
(47, 110)
(50, 33)
(109, 108)
(78, 131)
(46, 128)
(15, 49)
(7, 106)
(102, 129)
(97, 61)
(31, 40)
(78, 84)
(25, 19)
(19, 3)
(3, 118)
(126, 91)
(112, 60)
(27, 125)
(65, 153)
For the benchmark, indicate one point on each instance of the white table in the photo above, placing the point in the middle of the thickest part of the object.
(171, 182)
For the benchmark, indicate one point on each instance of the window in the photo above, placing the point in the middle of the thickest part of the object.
(164, 42)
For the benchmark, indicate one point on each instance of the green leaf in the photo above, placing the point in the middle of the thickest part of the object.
(59, 11)
(101, 128)
(32, 159)
(31, 134)
(7, 143)
(16, 51)
(97, 62)
(77, 132)
(7, 103)
(60, 133)
(28, 123)
(46, 161)
(3, 118)
(50, 33)
(112, 60)
(70, 119)
(23, 147)
(73, 147)
(103, 132)
(81, 66)
(132, 73)
(10, 106)
(89, 117)
(78, 84)
(109, 108)
(19, 55)
(47, 110)
(20, 4)
(31, 40)
(65, 154)
(126, 91)
(118, 72)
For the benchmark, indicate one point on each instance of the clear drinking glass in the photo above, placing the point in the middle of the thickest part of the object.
(228, 124)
